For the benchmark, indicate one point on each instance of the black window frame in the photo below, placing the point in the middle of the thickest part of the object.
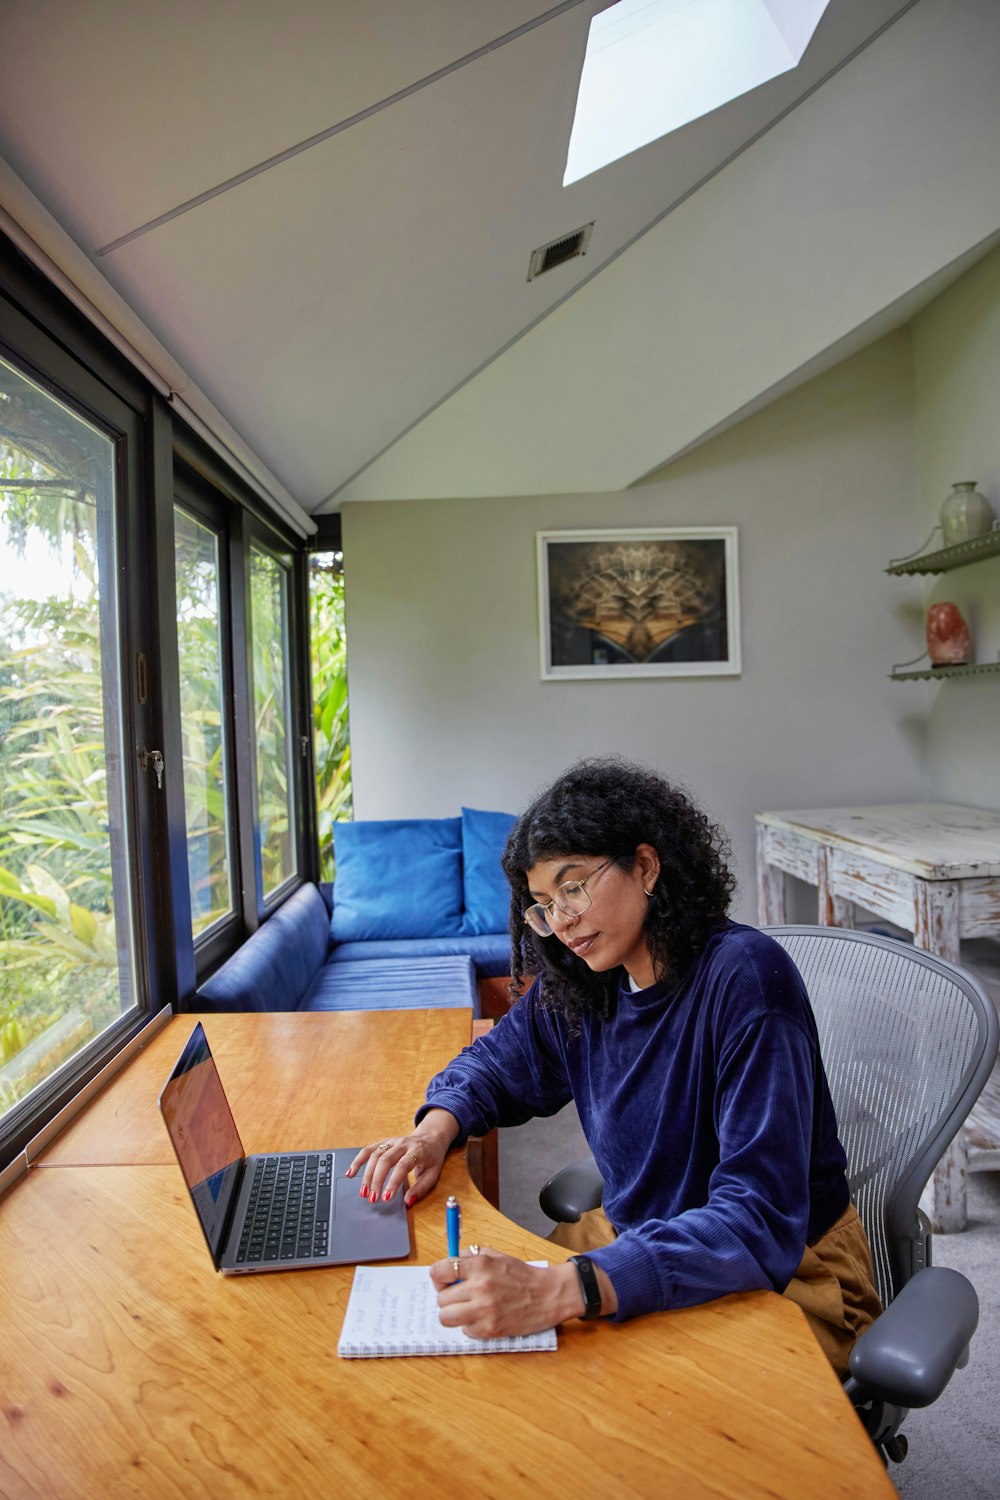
(64, 356)
(265, 538)
(208, 949)
(161, 461)
(201, 481)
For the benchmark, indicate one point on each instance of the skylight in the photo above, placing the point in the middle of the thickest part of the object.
(654, 65)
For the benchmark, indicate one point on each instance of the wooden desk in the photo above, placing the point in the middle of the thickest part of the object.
(128, 1367)
(294, 1082)
(930, 867)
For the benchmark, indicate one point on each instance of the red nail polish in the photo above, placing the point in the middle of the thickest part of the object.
(386, 1196)
(364, 1191)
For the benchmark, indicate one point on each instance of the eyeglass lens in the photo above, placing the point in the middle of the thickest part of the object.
(572, 898)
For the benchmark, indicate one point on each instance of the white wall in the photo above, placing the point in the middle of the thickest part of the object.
(956, 352)
(446, 702)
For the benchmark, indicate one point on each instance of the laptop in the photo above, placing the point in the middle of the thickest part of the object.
(275, 1211)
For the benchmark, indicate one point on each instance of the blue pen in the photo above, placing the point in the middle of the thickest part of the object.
(453, 1224)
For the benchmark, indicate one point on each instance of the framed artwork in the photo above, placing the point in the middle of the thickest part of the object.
(657, 603)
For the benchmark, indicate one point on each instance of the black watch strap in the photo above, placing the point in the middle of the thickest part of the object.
(588, 1285)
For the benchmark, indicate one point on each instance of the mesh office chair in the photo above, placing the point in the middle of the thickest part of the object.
(908, 1042)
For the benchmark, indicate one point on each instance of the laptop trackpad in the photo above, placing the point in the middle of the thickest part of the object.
(362, 1230)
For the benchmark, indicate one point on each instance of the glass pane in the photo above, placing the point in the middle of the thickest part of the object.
(66, 958)
(272, 719)
(331, 730)
(196, 554)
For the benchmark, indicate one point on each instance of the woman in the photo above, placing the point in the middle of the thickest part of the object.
(689, 1046)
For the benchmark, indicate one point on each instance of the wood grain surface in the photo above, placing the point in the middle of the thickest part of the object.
(294, 1082)
(129, 1367)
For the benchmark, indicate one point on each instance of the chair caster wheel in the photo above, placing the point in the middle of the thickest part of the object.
(896, 1448)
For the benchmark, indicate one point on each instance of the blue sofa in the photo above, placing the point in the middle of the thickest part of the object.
(417, 915)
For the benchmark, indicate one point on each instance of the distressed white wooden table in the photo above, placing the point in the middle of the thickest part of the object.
(930, 867)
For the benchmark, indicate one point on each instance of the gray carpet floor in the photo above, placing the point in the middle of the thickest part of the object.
(955, 1444)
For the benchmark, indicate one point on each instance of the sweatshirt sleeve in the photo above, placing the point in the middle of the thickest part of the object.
(751, 1233)
(510, 1075)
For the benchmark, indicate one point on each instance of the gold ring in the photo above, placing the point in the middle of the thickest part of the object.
(456, 1270)
(473, 1249)
(383, 1147)
(413, 1156)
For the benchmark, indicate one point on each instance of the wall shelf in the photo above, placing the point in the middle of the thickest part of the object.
(946, 558)
(942, 561)
(932, 674)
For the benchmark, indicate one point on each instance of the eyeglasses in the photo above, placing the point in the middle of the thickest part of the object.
(573, 899)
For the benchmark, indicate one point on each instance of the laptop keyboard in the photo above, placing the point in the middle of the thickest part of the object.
(288, 1215)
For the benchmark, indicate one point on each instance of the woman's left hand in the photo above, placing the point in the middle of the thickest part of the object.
(497, 1296)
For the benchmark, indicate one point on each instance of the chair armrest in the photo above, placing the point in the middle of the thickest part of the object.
(911, 1351)
(572, 1191)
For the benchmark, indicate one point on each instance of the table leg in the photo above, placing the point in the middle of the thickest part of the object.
(832, 911)
(935, 917)
(770, 886)
(945, 1196)
(935, 929)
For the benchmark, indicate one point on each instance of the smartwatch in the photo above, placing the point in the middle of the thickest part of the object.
(588, 1285)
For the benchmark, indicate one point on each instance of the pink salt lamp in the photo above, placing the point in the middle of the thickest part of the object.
(948, 641)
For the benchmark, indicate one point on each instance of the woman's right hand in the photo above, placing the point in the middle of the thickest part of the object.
(388, 1164)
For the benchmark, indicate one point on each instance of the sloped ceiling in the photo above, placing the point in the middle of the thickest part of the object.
(324, 211)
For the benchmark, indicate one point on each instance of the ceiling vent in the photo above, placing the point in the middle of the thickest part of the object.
(566, 247)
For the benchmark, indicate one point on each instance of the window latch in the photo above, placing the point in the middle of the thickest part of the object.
(153, 758)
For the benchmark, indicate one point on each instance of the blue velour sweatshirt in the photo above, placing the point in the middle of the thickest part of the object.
(706, 1107)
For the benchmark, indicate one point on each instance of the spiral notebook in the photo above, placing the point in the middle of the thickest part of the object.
(393, 1311)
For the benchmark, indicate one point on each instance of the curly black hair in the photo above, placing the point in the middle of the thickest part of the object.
(606, 807)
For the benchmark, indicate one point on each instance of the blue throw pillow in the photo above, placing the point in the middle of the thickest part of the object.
(397, 879)
(487, 892)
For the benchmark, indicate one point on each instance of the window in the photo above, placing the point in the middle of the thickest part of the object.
(241, 686)
(652, 66)
(155, 802)
(200, 634)
(67, 949)
(331, 729)
(273, 733)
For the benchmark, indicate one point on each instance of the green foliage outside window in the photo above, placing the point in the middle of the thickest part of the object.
(272, 718)
(331, 730)
(61, 969)
(196, 573)
(59, 961)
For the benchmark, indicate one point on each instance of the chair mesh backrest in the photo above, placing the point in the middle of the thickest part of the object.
(904, 1039)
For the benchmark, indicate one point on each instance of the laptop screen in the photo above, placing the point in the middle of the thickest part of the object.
(203, 1131)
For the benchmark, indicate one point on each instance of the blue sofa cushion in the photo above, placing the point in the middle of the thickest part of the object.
(394, 984)
(275, 966)
(487, 893)
(397, 879)
(490, 952)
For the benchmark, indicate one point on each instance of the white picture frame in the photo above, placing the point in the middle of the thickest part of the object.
(639, 602)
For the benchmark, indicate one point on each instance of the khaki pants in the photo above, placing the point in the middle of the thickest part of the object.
(834, 1284)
